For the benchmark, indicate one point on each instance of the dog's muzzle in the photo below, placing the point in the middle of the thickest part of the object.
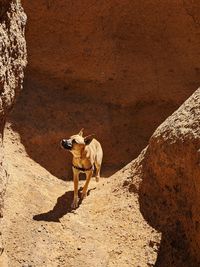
(67, 144)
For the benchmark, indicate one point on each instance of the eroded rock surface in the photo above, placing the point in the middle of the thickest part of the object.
(169, 190)
(116, 68)
(12, 63)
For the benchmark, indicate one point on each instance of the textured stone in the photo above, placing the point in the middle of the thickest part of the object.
(12, 63)
(169, 169)
(116, 68)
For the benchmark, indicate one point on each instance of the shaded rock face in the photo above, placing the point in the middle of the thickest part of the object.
(12, 63)
(116, 68)
(169, 191)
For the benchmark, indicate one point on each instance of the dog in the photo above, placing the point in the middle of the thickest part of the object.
(87, 153)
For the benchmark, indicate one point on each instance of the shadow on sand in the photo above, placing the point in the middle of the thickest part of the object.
(61, 208)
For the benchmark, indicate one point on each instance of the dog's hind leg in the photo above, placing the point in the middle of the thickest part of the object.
(98, 169)
(98, 162)
(84, 191)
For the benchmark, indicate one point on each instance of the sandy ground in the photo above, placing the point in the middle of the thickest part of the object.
(40, 229)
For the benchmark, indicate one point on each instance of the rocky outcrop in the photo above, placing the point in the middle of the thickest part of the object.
(168, 171)
(116, 68)
(12, 63)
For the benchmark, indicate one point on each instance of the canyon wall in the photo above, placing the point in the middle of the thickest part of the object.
(169, 175)
(116, 68)
(12, 63)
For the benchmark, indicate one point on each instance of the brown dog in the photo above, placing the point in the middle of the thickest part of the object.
(87, 153)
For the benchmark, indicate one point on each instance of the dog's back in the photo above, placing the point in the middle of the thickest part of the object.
(94, 152)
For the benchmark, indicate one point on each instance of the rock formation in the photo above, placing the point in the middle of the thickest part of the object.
(169, 190)
(116, 68)
(12, 63)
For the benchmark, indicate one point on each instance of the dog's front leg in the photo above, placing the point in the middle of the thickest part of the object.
(76, 180)
(84, 191)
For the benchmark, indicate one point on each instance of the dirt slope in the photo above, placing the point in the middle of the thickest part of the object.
(40, 229)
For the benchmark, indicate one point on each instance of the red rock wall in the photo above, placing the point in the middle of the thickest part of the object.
(12, 64)
(117, 68)
(169, 190)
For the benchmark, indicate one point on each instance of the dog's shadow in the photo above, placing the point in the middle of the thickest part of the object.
(61, 208)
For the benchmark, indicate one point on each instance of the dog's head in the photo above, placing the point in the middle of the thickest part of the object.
(76, 142)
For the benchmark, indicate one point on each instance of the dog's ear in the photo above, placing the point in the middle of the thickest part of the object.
(81, 132)
(88, 139)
